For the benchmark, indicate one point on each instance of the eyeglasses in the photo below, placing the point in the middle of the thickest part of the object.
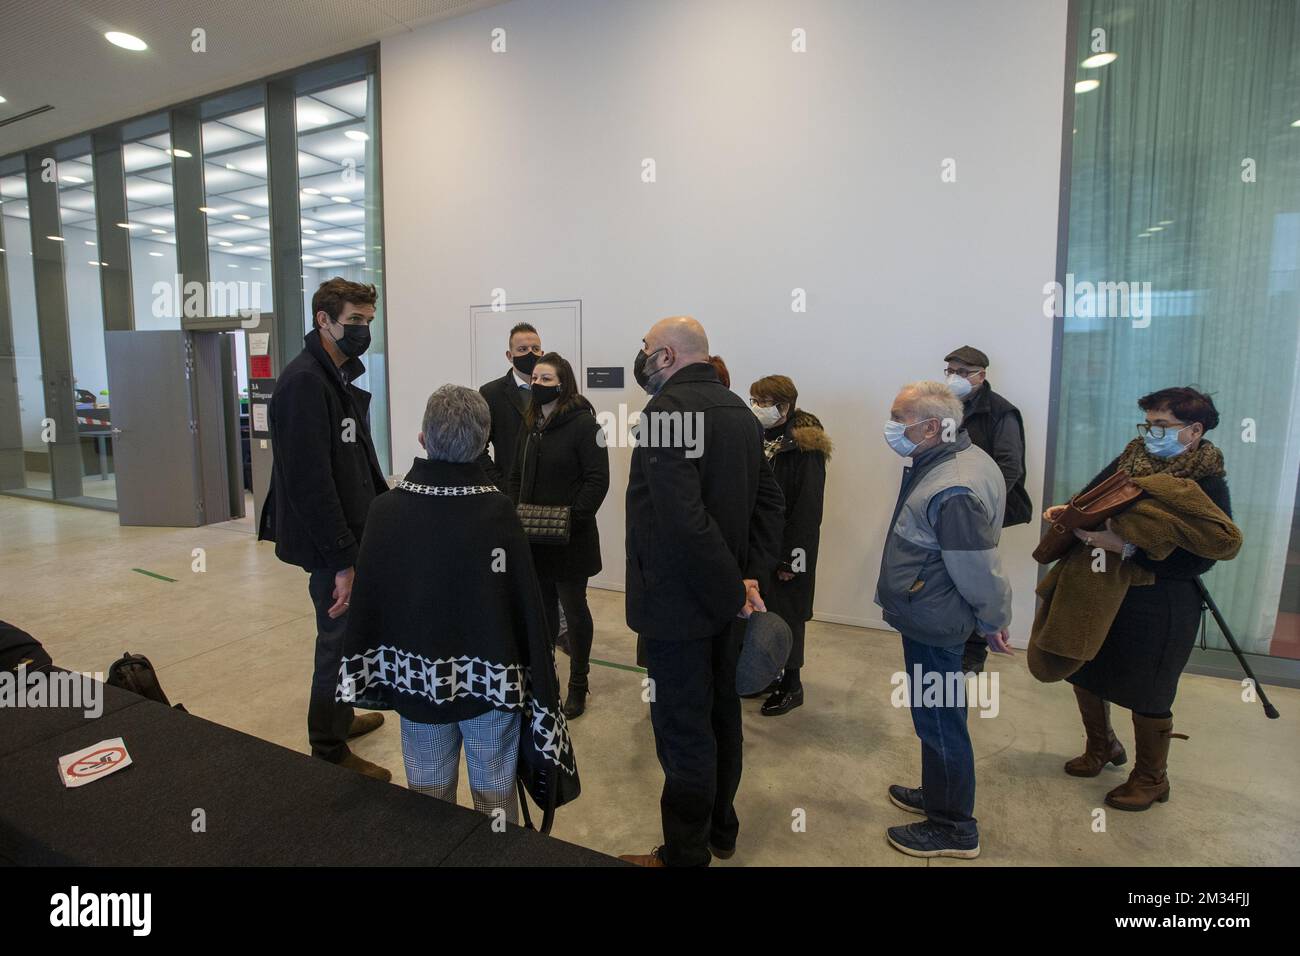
(1158, 431)
(963, 372)
(764, 403)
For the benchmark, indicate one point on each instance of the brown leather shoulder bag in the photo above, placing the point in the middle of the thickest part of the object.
(1086, 512)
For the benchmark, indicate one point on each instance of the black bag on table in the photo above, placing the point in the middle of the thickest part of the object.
(135, 673)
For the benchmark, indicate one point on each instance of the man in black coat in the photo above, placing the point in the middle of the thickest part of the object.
(324, 474)
(508, 398)
(704, 518)
(995, 427)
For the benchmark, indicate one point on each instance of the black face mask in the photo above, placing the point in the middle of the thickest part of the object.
(354, 341)
(545, 394)
(639, 372)
(525, 363)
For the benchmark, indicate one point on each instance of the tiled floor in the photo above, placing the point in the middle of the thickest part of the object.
(234, 643)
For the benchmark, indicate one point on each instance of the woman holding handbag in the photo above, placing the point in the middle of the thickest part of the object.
(561, 463)
(1151, 638)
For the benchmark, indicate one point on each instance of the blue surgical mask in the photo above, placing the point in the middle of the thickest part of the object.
(897, 440)
(1167, 446)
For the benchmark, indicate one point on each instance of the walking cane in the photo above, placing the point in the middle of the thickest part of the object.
(1208, 602)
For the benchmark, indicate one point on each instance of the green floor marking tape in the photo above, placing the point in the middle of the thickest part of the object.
(622, 667)
(160, 577)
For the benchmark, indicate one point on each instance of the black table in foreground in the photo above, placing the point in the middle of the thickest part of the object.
(260, 804)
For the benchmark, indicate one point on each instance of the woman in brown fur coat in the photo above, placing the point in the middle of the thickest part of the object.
(1151, 638)
(797, 449)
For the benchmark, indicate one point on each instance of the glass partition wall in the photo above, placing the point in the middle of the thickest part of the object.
(1183, 267)
(64, 279)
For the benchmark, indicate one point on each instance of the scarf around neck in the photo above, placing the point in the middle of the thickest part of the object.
(1205, 462)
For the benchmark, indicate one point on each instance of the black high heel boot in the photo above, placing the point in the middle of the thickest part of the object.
(576, 702)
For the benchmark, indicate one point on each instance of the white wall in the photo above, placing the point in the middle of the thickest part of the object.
(775, 170)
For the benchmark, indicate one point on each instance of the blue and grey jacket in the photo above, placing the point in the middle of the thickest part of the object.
(940, 575)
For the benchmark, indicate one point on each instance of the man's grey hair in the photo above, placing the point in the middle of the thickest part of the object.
(456, 424)
(932, 400)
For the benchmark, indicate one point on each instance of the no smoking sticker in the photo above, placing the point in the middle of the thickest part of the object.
(90, 763)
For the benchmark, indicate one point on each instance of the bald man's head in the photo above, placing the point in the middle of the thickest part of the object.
(683, 335)
(671, 344)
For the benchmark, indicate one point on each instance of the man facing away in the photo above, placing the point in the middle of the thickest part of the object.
(324, 474)
(940, 579)
(995, 427)
(704, 520)
(508, 399)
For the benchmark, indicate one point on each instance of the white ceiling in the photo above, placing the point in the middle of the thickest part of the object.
(54, 52)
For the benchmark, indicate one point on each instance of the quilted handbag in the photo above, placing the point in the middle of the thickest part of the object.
(545, 524)
(1087, 512)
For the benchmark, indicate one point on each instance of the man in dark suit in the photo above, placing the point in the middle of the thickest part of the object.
(508, 399)
(704, 520)
(324, 474)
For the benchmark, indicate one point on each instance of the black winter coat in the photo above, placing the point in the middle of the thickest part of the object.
(1153, 634)
(324, 474)
(507, 402)
(447, 621)
(798, 450)
(698, 524)
(563, 461)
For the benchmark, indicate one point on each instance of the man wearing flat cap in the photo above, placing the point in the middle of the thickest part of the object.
(994, 426)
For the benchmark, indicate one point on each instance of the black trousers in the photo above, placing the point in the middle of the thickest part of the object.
(573, 595)
(328, 722)
(695, 712)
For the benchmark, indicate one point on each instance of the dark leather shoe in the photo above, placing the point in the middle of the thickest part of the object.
(365, 767)
(782, 702)
(654, 858)
(364, 724)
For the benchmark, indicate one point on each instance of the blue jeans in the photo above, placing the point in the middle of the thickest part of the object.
(947, 760)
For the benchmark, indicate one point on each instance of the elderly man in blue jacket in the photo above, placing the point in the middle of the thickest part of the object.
(941, 579)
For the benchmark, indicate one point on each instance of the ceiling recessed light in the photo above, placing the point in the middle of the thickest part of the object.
(1296, 123)
(207, 209)
(1166, 222)
(224, 243)
(257, 268)
(309, 232)
(73, 179)
(126, 41)
(157, 255)
(3, 100)
(1099, 59)
(126, 225)
(89, 242)
(311, 191)
(357, 135)
(181, 153)
(340, 198)
(1086, 86)
(1155, 228)
(93, 262)
(240, 216)
(55, 238)
(159, 232)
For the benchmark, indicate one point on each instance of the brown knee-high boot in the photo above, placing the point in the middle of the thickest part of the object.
(1149, 781)
(1103, 746)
